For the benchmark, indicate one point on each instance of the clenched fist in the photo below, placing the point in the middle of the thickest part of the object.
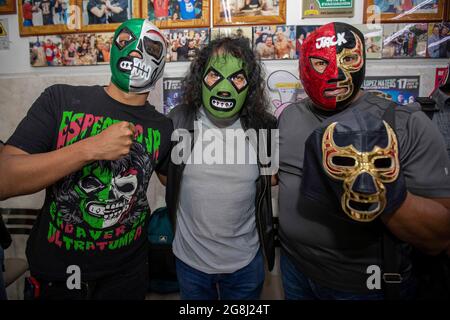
(112, 143)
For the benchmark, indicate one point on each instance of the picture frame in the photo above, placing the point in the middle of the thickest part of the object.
(93, 21)
(8, 7)
(42, 17)
(424, 11)
(447, 14)
(327, 9)
(405, 40)
(248, 12)
(174, 14)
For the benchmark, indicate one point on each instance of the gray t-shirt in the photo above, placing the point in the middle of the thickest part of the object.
(336, 252)
(442, 117)
(216, 227)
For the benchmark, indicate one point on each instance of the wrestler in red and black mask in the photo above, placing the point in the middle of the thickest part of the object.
(332, 65)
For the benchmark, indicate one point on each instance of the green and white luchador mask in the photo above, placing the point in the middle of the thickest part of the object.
(224, 86)
(137, 56)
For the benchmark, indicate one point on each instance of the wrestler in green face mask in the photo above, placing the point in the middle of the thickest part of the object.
(224, 86)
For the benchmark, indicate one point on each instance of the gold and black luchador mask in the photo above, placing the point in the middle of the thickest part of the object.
(352, 165)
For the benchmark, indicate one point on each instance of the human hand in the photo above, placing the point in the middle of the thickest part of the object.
(113, 143)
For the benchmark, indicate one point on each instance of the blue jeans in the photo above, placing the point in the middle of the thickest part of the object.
(297, 286)
(2, 281)
(243, 284)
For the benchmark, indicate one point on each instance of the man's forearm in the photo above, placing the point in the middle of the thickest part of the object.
(423, 222)
(24, 173)
(115, 9)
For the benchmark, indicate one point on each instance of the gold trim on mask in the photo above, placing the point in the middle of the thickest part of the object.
(348, 69)
(347, 163)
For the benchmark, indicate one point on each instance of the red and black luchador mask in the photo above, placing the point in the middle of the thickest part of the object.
(332, 65)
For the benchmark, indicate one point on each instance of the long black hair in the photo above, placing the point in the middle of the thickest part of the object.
(256, 105)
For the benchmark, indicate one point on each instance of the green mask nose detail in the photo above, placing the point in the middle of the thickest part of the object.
(137, 56)
(225, 86)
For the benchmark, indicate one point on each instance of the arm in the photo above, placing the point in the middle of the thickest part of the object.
(24, 173)
(274, 180)
(423, 219)
(162, 179)
(98, 12)
(114, 9)
(423, 222)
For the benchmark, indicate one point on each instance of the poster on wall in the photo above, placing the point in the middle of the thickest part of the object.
(328, 8)
(284, 88)
(441, 77)
(402, 90)
(4, 38)
(172, 93)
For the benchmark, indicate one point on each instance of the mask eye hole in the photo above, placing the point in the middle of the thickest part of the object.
(382, 163)
(90, 184)
(343, 161)
(212, 78)
(126, 184)
(238, 80)
(350, 60)
(153, 48)
(126, 188)
(124, 38)
(318, 64)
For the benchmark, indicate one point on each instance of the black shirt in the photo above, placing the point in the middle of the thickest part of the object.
(97, 217)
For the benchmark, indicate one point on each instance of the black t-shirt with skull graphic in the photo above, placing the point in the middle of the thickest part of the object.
(94, 218)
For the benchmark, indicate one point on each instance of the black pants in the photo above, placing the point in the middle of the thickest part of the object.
(130, 284)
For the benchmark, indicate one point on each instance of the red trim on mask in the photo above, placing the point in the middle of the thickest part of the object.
(151, 31)
(316, 83)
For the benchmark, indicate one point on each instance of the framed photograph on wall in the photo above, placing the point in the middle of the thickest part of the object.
(185, 44)
(373, 37)
(405, 11)
(172, 14)
(405, 40)
(46, 17)
(275, 42)
(107, 15)
(439, 40)
(249, 12)
(7, 6)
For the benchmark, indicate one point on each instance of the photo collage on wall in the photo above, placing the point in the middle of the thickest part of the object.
(79, 49)
(387, 41)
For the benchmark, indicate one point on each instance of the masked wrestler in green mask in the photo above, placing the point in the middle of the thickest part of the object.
(224, 87)
(137, 56)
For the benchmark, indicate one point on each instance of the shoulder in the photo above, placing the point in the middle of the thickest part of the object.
(269, 121)
(294, 110)
(378, 105)
(179, 113)
(61, 89)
